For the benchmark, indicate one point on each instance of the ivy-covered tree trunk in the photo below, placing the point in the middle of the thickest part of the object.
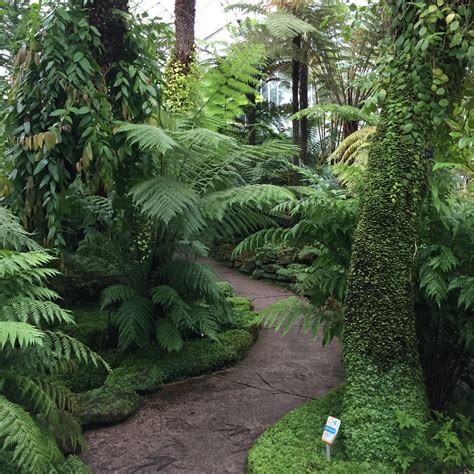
(380, 347)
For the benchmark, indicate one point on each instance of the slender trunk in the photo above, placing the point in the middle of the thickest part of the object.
(295, 87)
(349, 127)
(304, 133)
(251, 120)
(184, 13)
(380, 348)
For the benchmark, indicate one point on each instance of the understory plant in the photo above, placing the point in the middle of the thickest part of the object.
(35, 409)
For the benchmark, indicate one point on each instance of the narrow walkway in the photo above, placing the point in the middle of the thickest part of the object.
(208, 424)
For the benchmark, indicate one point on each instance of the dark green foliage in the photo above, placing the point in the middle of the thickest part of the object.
(107, 405)
(93, 327)
(142, 378)
(196, 357)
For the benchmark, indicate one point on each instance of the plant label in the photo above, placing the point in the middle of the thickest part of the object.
(330, 430)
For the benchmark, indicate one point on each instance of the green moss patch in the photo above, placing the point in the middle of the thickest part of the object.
(107, 405)
(142, 378)
(293, 444)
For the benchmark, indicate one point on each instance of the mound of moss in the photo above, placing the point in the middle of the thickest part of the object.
(293, 444)
(142, 378)
(107, 405)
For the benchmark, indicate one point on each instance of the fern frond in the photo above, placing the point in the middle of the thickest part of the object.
(284, 314)
(29, 310)
(68, 348)
(116, 294)
(13, 263)
(31, 451)
(189, 277)
(32, 395)
(148, 138)
(163, 198)
(20, 333)
(349, 148)
(168, 335)
(466, 294)
(284, 25)
(135, 322)
(344, 112)
(262, 239)
(12, 234)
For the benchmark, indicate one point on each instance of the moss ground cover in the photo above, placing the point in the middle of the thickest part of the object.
(146, 370)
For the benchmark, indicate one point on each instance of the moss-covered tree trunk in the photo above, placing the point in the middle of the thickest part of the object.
(380, 346)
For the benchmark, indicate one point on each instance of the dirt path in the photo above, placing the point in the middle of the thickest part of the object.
(208, 424)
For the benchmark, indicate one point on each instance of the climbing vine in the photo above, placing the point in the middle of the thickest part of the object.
(426, 60)
(63, 103)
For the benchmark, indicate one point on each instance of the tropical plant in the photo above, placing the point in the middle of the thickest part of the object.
(191, 194)
(70, 81)
(34, 406)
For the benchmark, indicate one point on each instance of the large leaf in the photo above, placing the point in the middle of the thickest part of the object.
(163, 198)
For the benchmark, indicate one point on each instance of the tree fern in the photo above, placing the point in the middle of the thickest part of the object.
(344, 112)
(284, 25)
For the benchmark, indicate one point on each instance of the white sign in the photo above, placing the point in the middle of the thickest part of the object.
(330, 430)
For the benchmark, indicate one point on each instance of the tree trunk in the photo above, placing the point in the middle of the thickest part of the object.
(251, 119)
(349, 127)
(380, 347)
(295, 82)
(112, 28)
(184, 13)
(304, 133)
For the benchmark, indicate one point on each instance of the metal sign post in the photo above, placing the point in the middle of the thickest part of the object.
(329, 434)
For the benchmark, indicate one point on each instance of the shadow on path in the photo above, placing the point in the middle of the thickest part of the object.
(208, 424)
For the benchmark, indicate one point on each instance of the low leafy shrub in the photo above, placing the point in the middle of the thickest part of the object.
(441, 445)
(142, 378)
(293, 444)
(225, 289)
(107, 405)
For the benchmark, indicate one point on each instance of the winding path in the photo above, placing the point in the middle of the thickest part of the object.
(208, 424)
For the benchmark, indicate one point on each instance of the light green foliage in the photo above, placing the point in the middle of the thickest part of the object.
(227, 82)
(32, 403)
(284, 25)
(293, 444)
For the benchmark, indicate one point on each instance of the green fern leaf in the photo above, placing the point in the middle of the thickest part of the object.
(168, 335)
(163, 198)
(20, 333)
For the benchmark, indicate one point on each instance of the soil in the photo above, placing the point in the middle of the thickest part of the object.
(208, 424)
